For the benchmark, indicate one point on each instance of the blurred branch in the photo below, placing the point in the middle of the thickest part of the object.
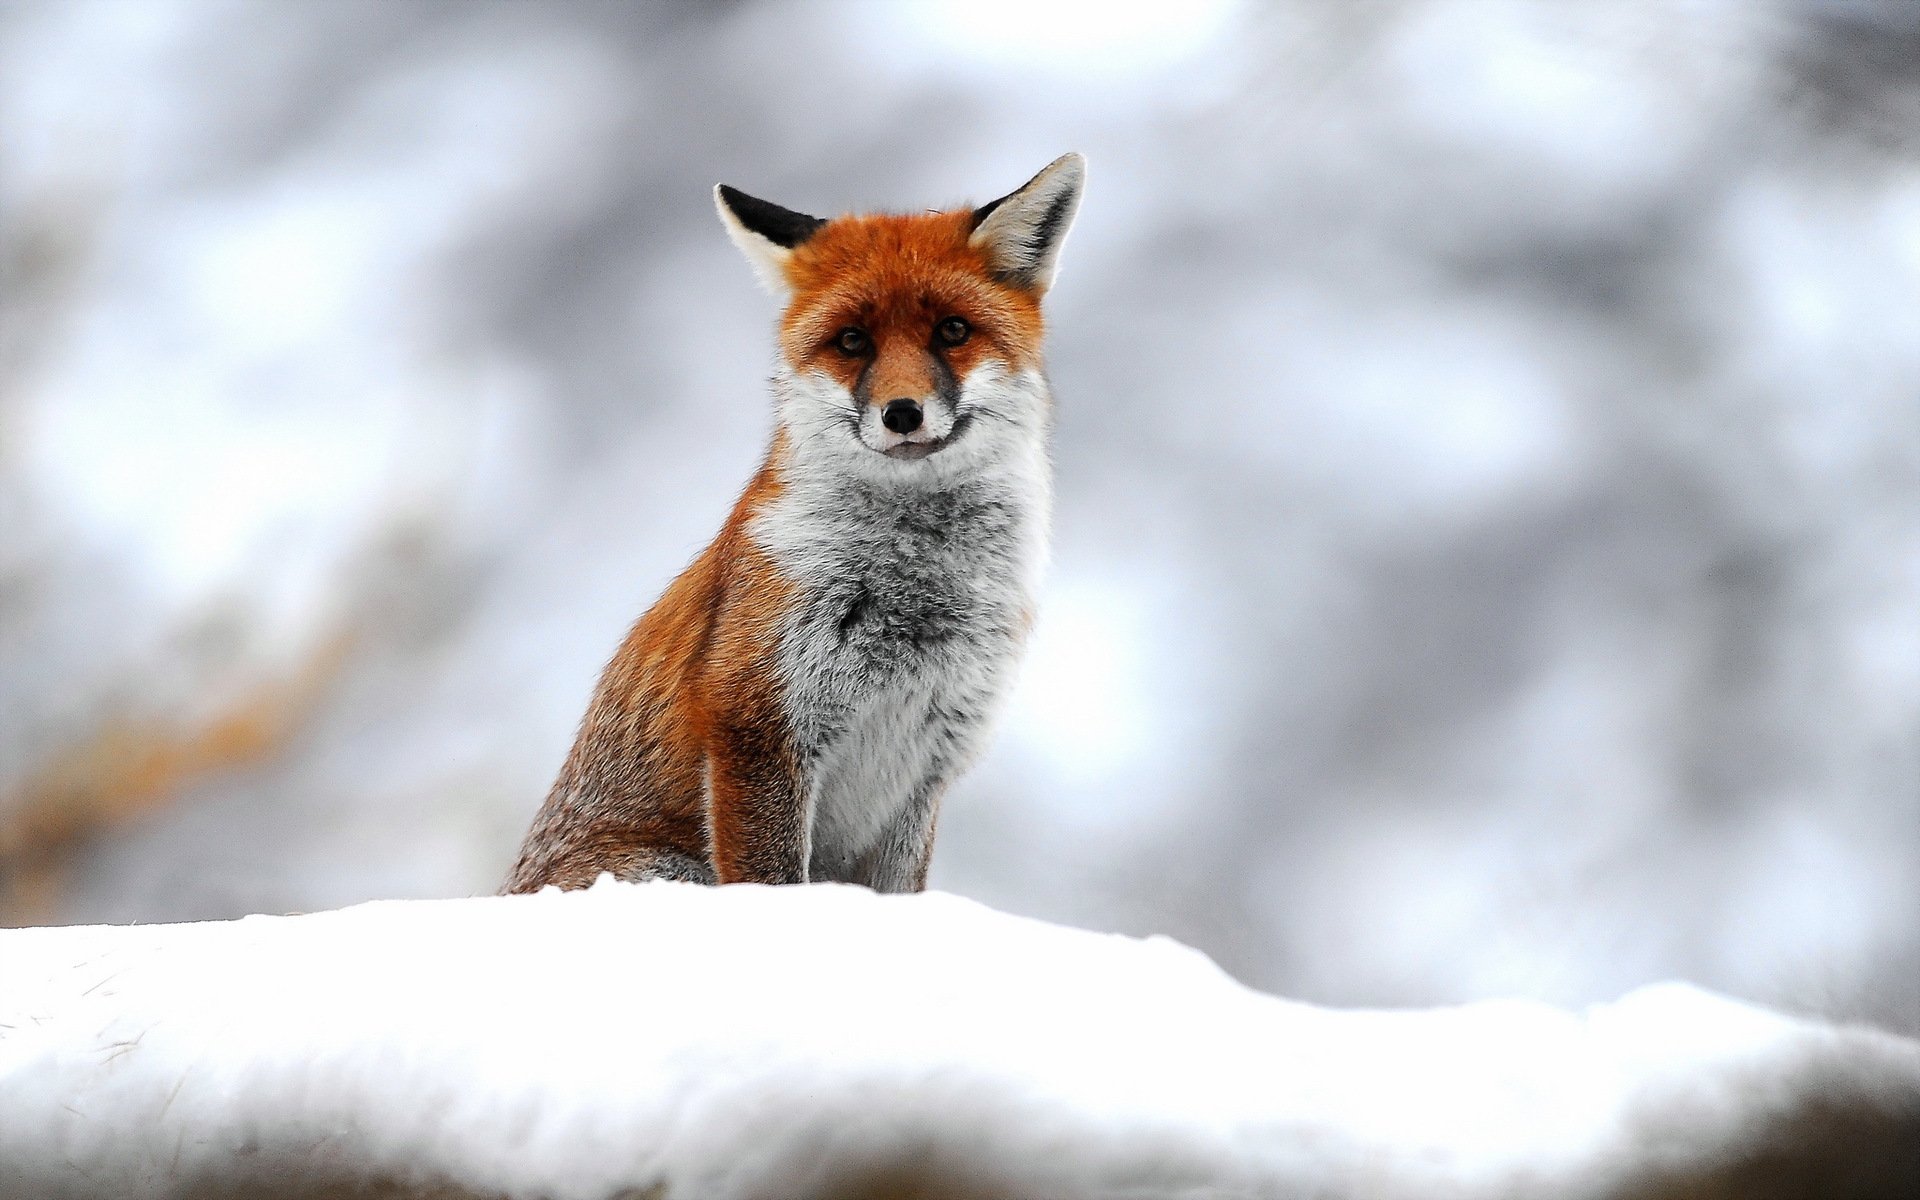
(129, 767)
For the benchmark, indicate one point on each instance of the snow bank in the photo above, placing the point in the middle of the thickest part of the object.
(674, 1041)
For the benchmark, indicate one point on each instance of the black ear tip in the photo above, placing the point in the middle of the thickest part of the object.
(781, 226)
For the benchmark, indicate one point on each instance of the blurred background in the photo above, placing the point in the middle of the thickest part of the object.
(1487, 558)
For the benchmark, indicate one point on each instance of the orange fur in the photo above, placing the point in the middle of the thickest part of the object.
(896, 277)
(692, 684)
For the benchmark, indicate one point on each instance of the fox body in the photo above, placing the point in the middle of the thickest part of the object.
(795, 704)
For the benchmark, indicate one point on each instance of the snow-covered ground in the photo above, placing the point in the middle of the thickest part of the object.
(668, 1040)
(1488, 542)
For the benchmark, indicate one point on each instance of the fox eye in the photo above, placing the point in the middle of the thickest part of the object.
(853, 342)
(953, 331)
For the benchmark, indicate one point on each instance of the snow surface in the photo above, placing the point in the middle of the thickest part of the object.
(670, 1040)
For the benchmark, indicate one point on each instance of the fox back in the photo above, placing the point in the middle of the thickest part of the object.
(796, 703)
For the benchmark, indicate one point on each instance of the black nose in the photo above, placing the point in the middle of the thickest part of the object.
(902, 415)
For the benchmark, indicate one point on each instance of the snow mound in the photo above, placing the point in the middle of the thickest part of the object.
(667, 1040)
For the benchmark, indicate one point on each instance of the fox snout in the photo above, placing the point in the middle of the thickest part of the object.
(910, 428)
(903, 415)
(908, 396)
(900, 375)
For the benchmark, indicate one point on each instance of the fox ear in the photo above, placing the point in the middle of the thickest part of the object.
(1021, 232)
(765, 233)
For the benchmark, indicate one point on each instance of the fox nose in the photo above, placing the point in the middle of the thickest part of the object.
(902, 415)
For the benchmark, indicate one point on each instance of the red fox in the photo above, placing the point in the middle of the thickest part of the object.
(795, 704)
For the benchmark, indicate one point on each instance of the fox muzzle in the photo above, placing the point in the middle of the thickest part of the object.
(903, 415)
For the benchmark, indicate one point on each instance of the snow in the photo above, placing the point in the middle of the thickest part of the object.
(670, 1040)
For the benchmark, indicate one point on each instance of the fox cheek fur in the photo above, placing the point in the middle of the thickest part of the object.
(794, 705)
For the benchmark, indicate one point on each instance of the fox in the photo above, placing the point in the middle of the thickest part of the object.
(795, 705)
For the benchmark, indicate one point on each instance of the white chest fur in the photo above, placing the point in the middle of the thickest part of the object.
(916, 584)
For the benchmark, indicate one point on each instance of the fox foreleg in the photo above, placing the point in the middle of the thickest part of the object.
(898, 861)
(756, 808)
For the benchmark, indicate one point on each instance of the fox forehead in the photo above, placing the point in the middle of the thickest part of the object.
(895, 276)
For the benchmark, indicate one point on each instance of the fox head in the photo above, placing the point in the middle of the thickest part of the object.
(910, 337)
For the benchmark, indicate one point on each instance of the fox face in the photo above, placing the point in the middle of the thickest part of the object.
(911, 339)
